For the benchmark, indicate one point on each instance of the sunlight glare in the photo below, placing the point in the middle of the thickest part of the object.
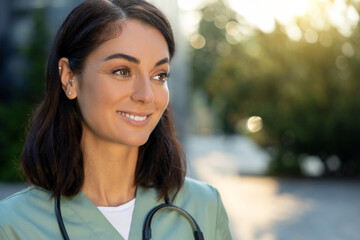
(352, 15)
(293, 32)
(263, 13)
(190, 15)
(190, 22)
(189, 5)
(341, 16)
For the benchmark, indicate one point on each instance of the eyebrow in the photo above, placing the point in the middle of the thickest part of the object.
(133, 59)
(124, 56)
(165, 60)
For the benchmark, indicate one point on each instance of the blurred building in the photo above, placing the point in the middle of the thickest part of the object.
(16, 25)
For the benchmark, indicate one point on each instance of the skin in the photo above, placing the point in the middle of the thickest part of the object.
(126, 74)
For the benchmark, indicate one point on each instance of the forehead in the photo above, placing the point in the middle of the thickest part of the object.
(136, 39)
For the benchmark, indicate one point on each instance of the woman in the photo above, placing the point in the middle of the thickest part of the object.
(101, 151)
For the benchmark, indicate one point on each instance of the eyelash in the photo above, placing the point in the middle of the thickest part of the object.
(118, 71)
(165, 77)
(157, 77)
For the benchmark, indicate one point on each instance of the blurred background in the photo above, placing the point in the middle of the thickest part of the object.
(267, 105)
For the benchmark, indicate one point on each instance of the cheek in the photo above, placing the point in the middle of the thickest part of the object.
(99, 91)
(162, 96)
(89, 96)
(94, 98)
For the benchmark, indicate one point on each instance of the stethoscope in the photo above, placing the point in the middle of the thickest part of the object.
(147, 224)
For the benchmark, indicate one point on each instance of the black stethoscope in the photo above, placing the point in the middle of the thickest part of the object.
(147, 225)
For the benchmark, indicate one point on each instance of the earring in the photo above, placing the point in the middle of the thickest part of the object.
(71, 80)
(59, 68)
(69, 93)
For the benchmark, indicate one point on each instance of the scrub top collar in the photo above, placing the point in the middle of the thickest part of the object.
(80, 210)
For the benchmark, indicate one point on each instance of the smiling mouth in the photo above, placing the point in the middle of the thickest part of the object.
(134, 117)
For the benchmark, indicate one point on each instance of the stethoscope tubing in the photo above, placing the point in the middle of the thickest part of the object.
(198, 235)
(60, 219)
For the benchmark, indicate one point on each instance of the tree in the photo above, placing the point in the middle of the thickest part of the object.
(307, 95)
(15, 112)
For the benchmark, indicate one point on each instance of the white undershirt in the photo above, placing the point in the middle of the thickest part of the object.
(120, 217)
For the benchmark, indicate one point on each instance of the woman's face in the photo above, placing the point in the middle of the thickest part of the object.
(122, 91)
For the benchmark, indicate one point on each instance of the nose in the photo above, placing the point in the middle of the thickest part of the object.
(142, 92)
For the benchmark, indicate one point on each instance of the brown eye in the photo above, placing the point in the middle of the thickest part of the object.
(162, 77)
(123, 72)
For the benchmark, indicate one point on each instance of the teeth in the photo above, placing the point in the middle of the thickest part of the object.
(132, 117)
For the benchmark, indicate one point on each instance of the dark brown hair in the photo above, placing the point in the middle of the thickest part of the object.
(52, 157)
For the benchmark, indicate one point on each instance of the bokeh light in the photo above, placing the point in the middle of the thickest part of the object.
(197, 41)
(312, 166)
(311, 36)
(254, 124)
(347, 49)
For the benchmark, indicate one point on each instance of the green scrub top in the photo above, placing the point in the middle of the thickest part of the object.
(30, 214)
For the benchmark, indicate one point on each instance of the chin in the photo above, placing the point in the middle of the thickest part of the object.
(136, 141)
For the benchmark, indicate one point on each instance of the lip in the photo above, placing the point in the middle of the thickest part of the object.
(133, 122)
(141, 114)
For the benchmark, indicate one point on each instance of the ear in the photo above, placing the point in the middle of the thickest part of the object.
(69, 80)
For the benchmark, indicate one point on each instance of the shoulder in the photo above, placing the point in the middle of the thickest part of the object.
(10, 202)
(21, 213)
(204, 203)
(199, 189)
(198, 195)
(26, 195)
(22, 203)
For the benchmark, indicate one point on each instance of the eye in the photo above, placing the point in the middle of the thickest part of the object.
(162, 77)
(123, 72)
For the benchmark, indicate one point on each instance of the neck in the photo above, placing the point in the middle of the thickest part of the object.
(109, 172)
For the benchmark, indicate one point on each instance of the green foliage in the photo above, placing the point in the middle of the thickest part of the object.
(204, 59)
(12, 121)
(308, 95)
(36, 55)
(15, 113)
